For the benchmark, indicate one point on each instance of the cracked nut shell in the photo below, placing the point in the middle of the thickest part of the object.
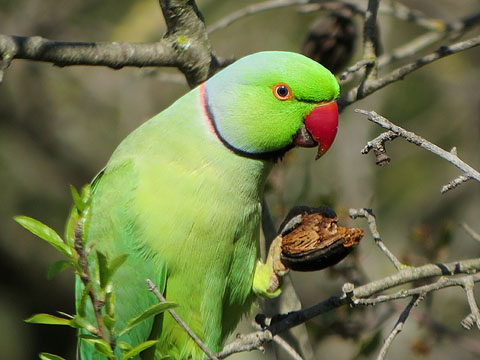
(318, 242)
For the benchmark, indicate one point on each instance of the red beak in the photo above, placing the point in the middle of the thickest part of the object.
(320, 128)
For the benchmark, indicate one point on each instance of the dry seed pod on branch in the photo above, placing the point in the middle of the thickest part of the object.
(313, 240)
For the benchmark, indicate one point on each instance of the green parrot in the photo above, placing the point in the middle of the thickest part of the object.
(182, 195)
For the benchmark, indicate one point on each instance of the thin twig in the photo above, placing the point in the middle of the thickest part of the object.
(399, 73)
(404, 13)
(398, 326)
(153, 288)
(286, 346)
(246, 342)
(423, 41)
(378, 141)
(471, 232)
(454, 183)
(379, 148)
(419, 141)
(354, 68)
(392, 8)
(372, 224)
(441, 283)
(283, 344)
(253, 10)
(468, 287)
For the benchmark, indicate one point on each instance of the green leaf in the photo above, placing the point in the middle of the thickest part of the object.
(45, 233)
(77, 200)
(110, 303)
(124, 346)
(80, 322)
(83, 300)
(68, 316)
(102, 269)
(105, 349)
(138, 349)
(151, 311)
(115, 264)
(86, 194)
(100, 345)
(57, 267)
(48, 356)
(48, 319)
(109, 322)
(107, 270)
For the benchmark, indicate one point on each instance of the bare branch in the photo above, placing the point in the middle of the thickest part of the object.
(475, 313)
(398, 74)
(360, 296)
(419, 141)
(402, 12)
(153, 288)
(253, 10)
(422, 42)
(372, 224)
(185, 45)
(187, 34)
(454, 183)
(249, 342)
(114, 55)
(392, 8)
(370, 39)
(354, 68)
(286, 346)
(404, 276)
(378, 147)
(471, 232)
(441, 283)
(398, 326)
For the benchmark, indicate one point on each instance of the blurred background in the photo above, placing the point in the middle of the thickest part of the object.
(59, 126)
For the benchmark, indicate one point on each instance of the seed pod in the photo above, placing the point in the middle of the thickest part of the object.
(331, 40)
(314, 241)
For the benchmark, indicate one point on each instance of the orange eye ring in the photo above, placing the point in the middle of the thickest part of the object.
(282, 92)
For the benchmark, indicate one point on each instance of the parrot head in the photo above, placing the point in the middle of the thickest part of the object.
(266, 103)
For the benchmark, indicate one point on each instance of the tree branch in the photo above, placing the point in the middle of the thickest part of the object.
(370, 41)
(398, 326)
(114, 55)
(280, 323)
(373, 85)
(451, 157)
(185, 46)
(187, 34)
(372, 223)
(419, 43)
(475, 236)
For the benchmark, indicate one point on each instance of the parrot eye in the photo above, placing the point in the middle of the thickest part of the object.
(282, 92)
